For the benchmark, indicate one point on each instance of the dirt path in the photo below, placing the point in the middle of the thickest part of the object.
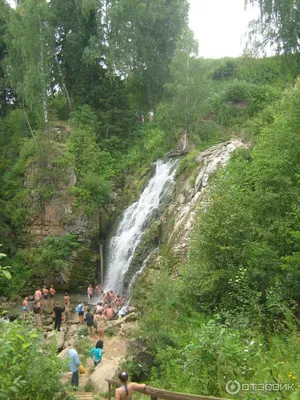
(114, 350)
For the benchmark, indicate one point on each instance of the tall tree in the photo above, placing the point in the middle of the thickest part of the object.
(142, 36)
(79, 45)
(279, 23)
(30, 53)
(4, 11)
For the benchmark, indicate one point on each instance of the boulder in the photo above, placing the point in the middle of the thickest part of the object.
(60, 340)
(105, 370)
(63, 355)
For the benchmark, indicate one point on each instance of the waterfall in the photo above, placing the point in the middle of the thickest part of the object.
(134, 223)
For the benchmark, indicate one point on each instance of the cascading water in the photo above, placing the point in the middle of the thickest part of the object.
(133, 224)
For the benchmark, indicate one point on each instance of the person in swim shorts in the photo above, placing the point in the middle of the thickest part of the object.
(25, 307)
(52, 292)
(124, 392)
(45, 292)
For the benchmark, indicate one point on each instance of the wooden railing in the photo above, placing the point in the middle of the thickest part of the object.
(155, 393)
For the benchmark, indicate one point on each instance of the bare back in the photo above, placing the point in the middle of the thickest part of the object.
(121, 391)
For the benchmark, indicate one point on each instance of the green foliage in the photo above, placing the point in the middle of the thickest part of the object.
(240, 100)
(226, 70)
(4, 273)
(51, 259)
(20, 348)
(279, 22)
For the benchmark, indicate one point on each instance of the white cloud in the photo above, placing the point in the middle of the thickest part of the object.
(220, 26)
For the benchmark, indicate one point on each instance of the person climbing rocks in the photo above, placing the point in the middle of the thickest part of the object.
(52, 292)
(124, 392)
(58, 310)
(74, 363)
(96, 353)
(90, 321)
(80, 310)
(25, 307)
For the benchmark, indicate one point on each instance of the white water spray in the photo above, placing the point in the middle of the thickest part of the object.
(133, 224)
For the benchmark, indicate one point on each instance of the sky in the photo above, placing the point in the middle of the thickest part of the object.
(220, 26)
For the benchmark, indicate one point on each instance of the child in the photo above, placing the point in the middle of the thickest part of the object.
(25, 307)
(97, 352)
(100, 319)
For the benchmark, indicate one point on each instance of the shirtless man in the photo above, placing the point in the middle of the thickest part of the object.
(45, 292)
(67, 302)
(97, 290)
(37, 295)
(52, 292)
(106, 298)
(99, 308)
(112, 297)
(90, 291)
(109, 312)
(25, 307)
(124, 392)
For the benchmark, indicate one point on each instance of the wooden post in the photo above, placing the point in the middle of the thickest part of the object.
(109, 391)
(101, 264)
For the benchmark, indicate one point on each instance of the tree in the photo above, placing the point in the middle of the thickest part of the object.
(30, 54)
(4, 91)
(279, 23)
(142, 37)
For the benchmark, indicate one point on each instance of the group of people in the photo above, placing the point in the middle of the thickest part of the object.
(109, 305)
(106, 309)
(125, 389)
(40, 299)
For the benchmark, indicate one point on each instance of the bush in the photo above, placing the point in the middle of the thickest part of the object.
(24, 358)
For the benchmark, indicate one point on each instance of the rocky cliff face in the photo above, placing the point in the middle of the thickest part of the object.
(190, 191)
(175, 224)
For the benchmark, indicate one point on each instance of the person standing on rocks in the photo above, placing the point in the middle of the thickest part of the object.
(80, 310)
(90, 321)
(37, 295)
(52, 292)
(25, 307)
(74, 363)
(100, 319)
(124, 392)
(58, 316)
(67, 302)
(45, 292)
(37, 315)
(90, 291)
